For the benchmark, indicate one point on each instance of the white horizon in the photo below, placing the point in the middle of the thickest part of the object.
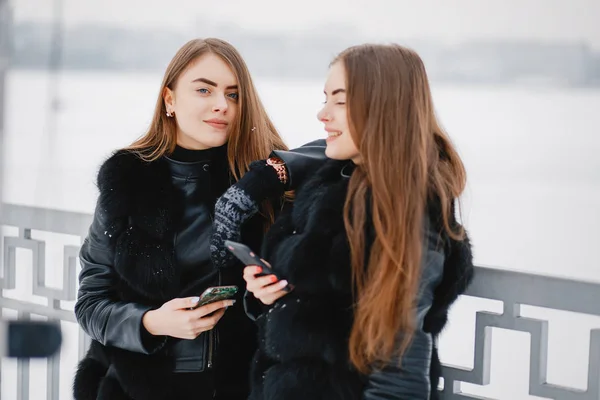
(447, 21)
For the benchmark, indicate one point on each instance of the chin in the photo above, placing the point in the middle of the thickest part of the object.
(216, 143)
(328, 152)
(334, 155)
(213, 140)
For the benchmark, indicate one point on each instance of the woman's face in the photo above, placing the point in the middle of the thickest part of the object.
(340, 145)
(204, 102)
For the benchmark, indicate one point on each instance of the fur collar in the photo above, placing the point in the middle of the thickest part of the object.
(137, 205)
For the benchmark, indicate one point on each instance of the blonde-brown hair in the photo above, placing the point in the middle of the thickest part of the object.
(406, 160)
(253, 136)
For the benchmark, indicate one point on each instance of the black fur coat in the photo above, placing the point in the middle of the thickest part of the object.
(303, 337)
(129, 259)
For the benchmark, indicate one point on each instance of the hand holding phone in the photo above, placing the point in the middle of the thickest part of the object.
(266, 288)
(182, 318)
(261, 284)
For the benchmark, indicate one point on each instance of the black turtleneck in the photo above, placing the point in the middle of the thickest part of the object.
(187, 155)
(209, 166)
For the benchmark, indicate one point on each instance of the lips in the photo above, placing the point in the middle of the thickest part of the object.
(217, 123)
(332, 133)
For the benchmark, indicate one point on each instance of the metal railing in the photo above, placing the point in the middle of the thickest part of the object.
(28, 219)
(517, 289)
(514, 289)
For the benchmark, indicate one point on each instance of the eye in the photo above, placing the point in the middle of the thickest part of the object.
(234, 96)
(203, 91)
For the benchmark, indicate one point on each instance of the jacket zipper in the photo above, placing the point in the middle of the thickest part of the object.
(211, 334)
(210, 349)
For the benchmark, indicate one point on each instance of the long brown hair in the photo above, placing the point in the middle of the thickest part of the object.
(406, 160)
(253, 136)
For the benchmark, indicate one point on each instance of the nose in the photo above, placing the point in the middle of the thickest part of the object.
(323, 115)
(220, 104)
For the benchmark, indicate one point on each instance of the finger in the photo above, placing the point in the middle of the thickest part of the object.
(251, 271)
(191, 335)
(183, 303)
(273, 297)
(198, 331)
(209, 322)
(259, 283)
(268, 290)
(212, 307)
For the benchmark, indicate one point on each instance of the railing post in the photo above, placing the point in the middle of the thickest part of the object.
(5, 50)
(4, 57)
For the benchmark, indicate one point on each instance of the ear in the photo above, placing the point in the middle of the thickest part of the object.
(169, 99)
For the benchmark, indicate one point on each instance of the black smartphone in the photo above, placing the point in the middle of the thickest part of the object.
(216, 293)
(248, 257)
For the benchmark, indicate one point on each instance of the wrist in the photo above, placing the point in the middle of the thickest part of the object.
(149, 323)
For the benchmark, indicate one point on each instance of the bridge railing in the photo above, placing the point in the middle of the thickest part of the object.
(31, 227)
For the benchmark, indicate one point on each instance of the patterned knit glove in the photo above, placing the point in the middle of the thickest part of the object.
(238, 204)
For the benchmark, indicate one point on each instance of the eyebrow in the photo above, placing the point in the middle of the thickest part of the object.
(336, 91)
(211, 83)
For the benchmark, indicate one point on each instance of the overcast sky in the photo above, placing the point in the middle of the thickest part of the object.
(449, 20)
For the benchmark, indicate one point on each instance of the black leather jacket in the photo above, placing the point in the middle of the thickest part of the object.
(118, 323)
(413, 379)
(108, 319)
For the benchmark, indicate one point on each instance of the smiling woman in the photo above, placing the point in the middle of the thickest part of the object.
(370, 250)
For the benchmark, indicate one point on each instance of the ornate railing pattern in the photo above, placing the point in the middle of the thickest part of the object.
(27, 219)
(514, 289)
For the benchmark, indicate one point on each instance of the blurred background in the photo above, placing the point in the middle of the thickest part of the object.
(516, 84)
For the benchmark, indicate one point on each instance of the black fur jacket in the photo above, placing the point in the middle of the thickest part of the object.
(303, 337)
(147, 220)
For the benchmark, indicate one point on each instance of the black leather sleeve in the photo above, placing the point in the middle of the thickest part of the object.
(253, 307)
(408, 378)
(98, 310)
(303, 161)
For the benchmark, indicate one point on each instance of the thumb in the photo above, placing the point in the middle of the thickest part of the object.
(179, 304)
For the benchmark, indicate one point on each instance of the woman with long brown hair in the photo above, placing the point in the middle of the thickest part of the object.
(146, 259)
(370, 251)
